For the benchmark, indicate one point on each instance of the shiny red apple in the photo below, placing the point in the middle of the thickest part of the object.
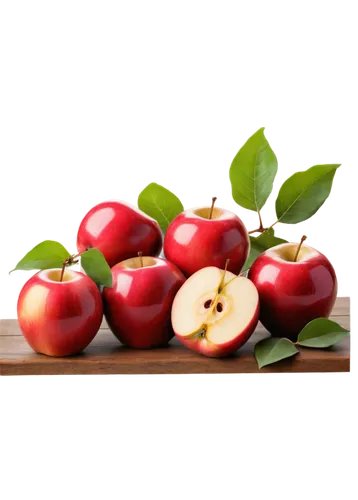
(119, 231)
(138, 306)
(59, 318)
(293, 292)
(203, 237)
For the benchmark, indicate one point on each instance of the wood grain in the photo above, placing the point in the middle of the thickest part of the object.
(342, 307)
(105, 355)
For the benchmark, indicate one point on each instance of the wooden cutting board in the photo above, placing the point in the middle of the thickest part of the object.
(105, 355)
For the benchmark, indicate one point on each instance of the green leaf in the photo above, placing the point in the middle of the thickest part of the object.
(321, 333)
(304, 193)
(260, 244)
(271, 350)
(46, 255)
(252, 172)
(96, 267)
(160, 204)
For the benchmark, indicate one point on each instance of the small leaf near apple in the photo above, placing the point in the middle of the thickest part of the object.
(252, 172)
(96, 267)
(321, 333)
(160, 204)
(304, 193)
(46, 255)
(271, 350)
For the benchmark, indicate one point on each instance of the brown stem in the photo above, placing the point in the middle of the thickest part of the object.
(212, 207)
(299, 247)
(260, 221)
(67, 261)
(70, 260)
(261, 227)
(140, 255)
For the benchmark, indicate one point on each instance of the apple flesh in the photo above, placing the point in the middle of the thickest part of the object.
(293, 293)
(137, 307)
(194, 241)
(119, 231)
(215, 313)
(59, 318)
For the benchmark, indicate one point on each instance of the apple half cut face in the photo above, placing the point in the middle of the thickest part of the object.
(215, 312)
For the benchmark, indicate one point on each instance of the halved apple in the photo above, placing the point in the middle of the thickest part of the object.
(215, 312)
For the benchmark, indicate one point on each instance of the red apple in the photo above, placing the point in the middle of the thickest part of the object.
(203, 237)
(137, 307)
(59, 318)
(214, 313)
(293, 293)
(119, 231)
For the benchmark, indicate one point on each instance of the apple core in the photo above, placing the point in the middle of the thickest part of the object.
(215, 311)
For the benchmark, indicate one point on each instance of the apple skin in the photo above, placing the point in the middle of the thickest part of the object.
(192, 242)
(205, 347)
(293, 293)
(138, 306)
(59, 318)
(119, 231)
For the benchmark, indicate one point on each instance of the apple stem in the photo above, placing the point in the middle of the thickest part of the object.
(140, 255)
(63, 269)
(69, 261)
(299, 247)
(260, 225)
(212, 207)
(223, 276)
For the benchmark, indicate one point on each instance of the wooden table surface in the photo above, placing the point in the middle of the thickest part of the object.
(105, 355)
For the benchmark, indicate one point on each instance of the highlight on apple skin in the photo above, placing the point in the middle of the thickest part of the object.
(203, 237)
(293, 293)
(215, 313)
(59, 318)
(119, 230)
(138, 306)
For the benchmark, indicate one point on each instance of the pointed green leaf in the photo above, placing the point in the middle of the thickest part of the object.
(321, 333)
(96, 267)
(271, 350)
(260, 244)
(160, 204)
(252, 172)
(46, 255)
(304, 193)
